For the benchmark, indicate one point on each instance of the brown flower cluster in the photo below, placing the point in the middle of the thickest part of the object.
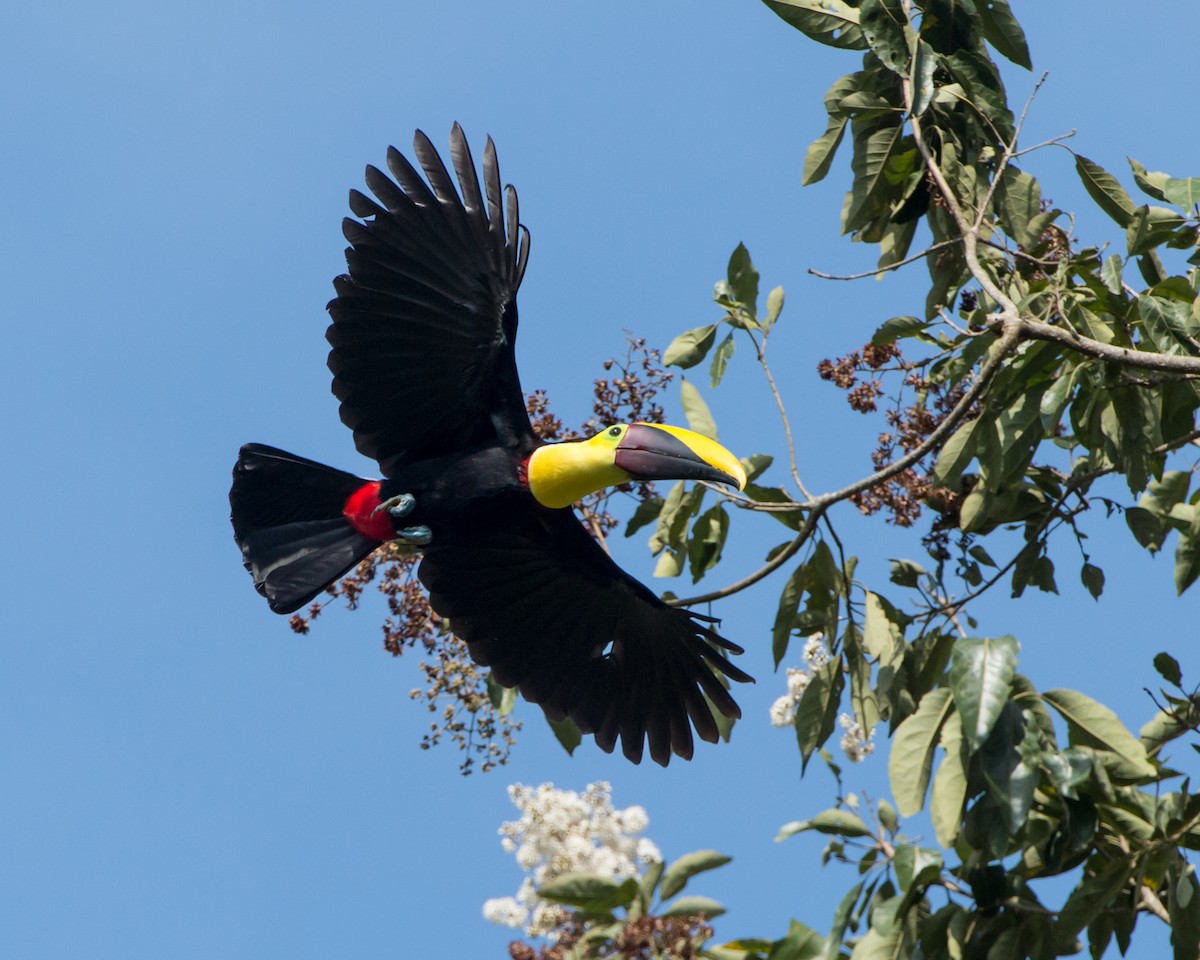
(645, 938)
(858, 373)
(455, 688)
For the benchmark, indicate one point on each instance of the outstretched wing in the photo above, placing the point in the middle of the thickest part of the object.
(425, 320)
(537, 600)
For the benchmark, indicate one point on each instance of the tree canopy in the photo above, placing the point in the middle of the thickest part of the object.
(1047, 382)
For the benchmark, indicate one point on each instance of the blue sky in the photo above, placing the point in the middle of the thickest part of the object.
(185, 778)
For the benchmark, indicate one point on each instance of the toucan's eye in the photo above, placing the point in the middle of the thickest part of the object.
(614, 431)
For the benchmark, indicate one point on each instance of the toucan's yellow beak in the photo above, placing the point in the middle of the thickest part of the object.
(652, 451)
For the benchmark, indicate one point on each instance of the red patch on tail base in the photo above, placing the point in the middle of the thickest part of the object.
(358, 510)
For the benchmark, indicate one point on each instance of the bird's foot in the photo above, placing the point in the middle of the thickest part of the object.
(397, 507)
(416, 536)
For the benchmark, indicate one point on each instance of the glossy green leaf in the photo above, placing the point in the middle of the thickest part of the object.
(1103, 187)
(1111, 272)
(800, 943)
(981, 670)
(680, 871)
(646, 513)
(956, 454)
(1019, 201)
(1092, 724)
(689, 348)
(1151, 227)
(699, 417)
(832, 22)
(911, 760)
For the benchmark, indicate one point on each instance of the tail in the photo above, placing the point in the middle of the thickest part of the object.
(291, 517)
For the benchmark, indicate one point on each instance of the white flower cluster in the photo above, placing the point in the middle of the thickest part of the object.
(857, 744)
(561, 831)
(816, 655)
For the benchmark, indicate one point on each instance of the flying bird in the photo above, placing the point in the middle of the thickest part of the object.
(423, 333)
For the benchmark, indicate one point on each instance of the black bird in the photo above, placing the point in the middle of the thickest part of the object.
(424, 324)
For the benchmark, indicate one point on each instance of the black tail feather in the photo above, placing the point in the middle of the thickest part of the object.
(287, 519)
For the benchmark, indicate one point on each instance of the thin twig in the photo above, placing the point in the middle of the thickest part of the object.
(891, 266)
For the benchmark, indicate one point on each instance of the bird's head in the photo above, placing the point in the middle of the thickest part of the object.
(561, 473)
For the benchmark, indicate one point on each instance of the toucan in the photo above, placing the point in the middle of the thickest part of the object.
(423, 329)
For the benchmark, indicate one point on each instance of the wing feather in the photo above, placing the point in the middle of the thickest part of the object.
(425, 320)
(537, 600)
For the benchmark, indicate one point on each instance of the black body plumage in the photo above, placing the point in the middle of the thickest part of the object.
(423, 334)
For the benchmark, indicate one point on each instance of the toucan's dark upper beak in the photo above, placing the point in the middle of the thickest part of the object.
(658, 452)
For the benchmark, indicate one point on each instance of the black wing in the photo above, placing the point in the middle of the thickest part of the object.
(539, 601)
(425, 321)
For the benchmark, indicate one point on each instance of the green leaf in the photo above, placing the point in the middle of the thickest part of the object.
(693, 906)
(897, 328)
(949, 791)
(917, 866)
(956, 454)
(1019, 201)
(906, 573)
(1092, 724)
(911, 760)
(589, 891)
(836, 821)
(646, 513)
(816, 714)
(1150, 227)
(743, 279)
(1093, 579)
(1103, 187)
(707, 541)
(502, 698)
(566, 733)
(1089, 898)
(676, 876)
(785, 616)
(720, 361)
(832, 22)
(819, 155)
(1149, 183)
(688, 349)
(1184, 909)
(1168, 668)
(1183, 192)
(981, 670)
(774, 307)
(801, 943)
(699, 417)
(1110, 274)
(1187, 561)
(1001, 30)
(925, 63)
(882, 23)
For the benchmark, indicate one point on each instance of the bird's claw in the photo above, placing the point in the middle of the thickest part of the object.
(416, 536)
(398, 506)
